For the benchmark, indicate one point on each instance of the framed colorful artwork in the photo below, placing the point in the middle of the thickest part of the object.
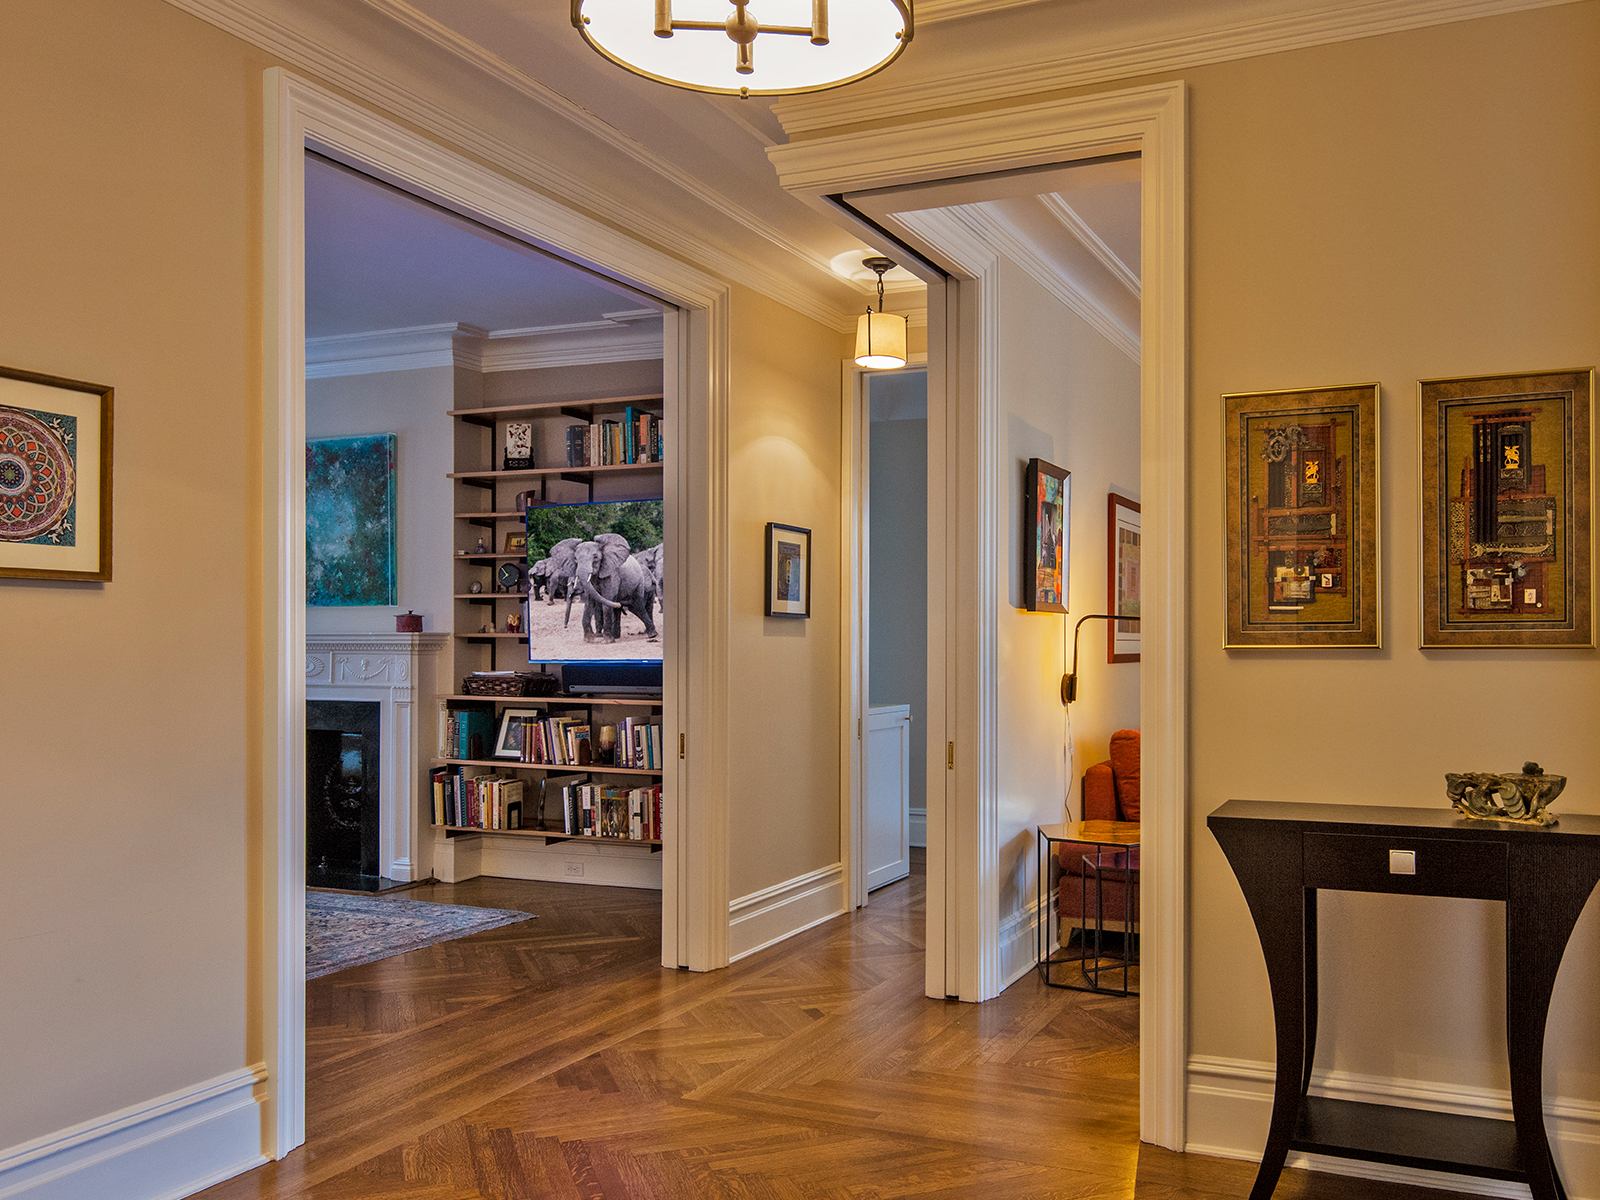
(55, 477)
(1046, 536)
(1122, 578)
(1301, 497)
(1506, 501)
(350, 521)
(788, 571)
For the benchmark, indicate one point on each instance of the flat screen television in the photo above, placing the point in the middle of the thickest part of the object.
(578, 630)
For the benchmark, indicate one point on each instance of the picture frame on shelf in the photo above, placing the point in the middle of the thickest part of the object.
(55, 477)
(1301, 513)
(1046, 536)
(513, 726)
(1122, 577)
(788, 571)
(516, 542)
(1507, 499)
(519, 446)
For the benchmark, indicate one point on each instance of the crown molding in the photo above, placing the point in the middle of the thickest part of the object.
(295, 47)
(1134, 51)
(1013, 244)
(931, 12)
(621, 337)
(1063, 212)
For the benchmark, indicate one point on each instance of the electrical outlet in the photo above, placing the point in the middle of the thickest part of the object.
(574, 870)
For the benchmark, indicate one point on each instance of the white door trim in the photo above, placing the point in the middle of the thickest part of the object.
(300, 115)
(965, 511)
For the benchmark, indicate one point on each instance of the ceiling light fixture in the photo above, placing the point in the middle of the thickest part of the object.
(880, 336)
(642, 36)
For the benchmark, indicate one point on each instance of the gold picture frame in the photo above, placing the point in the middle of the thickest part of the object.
(1506, 464)
(1301, 514)
(55, 477)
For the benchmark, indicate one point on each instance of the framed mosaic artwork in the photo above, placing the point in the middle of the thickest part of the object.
(1302, 518)
(350, 521)
(1046, 536)
(1506, 503)
(55, 477)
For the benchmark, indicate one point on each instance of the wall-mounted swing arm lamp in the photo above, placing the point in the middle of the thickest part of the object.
(880, 336)
(1069, 682)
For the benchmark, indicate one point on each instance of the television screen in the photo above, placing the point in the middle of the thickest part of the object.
(594, 582)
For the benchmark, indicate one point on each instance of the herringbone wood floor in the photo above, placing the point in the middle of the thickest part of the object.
(555, 1059)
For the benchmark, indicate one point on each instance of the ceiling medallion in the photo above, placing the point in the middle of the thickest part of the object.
(773, 47)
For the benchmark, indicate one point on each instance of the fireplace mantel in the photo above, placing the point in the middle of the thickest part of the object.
(396, 671)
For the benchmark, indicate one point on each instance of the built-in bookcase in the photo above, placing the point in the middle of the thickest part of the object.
(485, 508)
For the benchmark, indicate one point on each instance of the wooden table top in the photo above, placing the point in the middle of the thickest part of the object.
(1093, 833)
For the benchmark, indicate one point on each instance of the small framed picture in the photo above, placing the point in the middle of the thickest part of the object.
(516, 543)
(788, 571)
(55, 477)
(1122, 541)
(1046, 536)
(513, 727)
(519, 445)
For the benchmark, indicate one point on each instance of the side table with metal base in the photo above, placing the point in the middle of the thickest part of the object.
(1114, 859)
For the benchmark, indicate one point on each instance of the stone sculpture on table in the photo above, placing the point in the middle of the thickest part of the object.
(1523, 798)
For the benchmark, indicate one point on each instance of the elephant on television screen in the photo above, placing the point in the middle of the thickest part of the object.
(612, 580)
(539, 580)
(654, 560)
(563, 563)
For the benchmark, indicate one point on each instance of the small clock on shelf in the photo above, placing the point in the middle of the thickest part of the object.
(509, 577)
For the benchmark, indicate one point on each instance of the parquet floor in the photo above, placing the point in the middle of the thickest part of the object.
(555, 1059)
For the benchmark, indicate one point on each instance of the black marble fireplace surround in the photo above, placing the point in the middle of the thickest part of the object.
(342, 811)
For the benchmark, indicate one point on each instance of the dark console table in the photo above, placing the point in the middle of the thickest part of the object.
(1283, 853)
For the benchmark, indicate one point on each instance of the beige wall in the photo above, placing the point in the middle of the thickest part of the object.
(131, 233)
(1068, 396)
(784, 431)
(1390, 209)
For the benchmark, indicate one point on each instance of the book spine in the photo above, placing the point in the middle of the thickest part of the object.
(630, 447)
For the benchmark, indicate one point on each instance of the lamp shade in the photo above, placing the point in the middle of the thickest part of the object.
(782, 46)
(880, 340)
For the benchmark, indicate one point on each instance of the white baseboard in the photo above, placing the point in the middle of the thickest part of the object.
(1230, 1107)
(606, 864)
(1019, 950)
(763, 918)
(919, 826)
(162, 1149)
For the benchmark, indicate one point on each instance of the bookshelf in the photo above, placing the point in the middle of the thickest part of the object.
(486, 510)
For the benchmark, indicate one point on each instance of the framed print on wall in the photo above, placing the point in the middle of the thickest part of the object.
(1301, 471)
(1122, 578)
(788, 571)
(1506, 500)
(350, 521)
(55, 477)
(1046, 536)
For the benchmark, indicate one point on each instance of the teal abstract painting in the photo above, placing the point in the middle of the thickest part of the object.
(350, 521)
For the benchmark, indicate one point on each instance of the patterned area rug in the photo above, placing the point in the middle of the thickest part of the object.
(346, 931)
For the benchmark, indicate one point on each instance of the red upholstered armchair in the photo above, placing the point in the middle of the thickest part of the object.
(1110, 793)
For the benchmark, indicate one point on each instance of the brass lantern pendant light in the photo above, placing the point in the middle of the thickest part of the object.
(880, 336)
(642, 36)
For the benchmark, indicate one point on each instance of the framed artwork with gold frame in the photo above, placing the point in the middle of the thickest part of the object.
(55, 477)
(1301, 512)
(1507, 496)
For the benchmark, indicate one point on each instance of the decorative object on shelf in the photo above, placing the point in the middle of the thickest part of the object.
(497, 683)
(1046, 536)
(859, 38)
(1524, 797)
(519, 445)
(788, 571)
(55, 477)
(516, 543)
(487, 628)
(408, 622)
(513, 623)
(1506, 498)
(350, 521)
(475, 588)
(880, 336)
(1302, 517)
(1122, 578)
(508, 576)
(1069, 681)
(520, 502)
(480, 548)
(606, 752)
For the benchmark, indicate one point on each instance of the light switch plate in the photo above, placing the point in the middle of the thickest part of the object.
(1402, 862)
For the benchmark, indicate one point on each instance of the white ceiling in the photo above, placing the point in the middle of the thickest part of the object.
(377, 259)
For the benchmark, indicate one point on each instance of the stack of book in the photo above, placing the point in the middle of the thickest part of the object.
(638, 744)
(465, 732)
(556, 741)
(634, 439)
(476, 801)
(632, 814)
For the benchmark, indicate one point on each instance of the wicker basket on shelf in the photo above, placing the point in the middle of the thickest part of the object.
(499, 685)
